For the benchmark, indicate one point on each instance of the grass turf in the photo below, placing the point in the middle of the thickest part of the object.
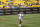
(29, 20)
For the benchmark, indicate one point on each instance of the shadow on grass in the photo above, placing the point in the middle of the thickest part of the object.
(22, 26)
(25, 26)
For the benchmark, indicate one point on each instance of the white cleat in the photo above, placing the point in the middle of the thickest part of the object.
(19, 25)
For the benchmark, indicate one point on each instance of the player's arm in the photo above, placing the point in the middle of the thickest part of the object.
(18, 15)
(23, 15)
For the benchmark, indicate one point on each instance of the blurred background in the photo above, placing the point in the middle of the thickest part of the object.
(9, 10)
(19, 3)
(15, 6)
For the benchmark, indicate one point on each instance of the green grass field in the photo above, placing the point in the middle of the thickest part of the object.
(29, 20)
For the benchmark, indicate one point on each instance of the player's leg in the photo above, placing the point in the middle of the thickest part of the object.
(20, 22)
